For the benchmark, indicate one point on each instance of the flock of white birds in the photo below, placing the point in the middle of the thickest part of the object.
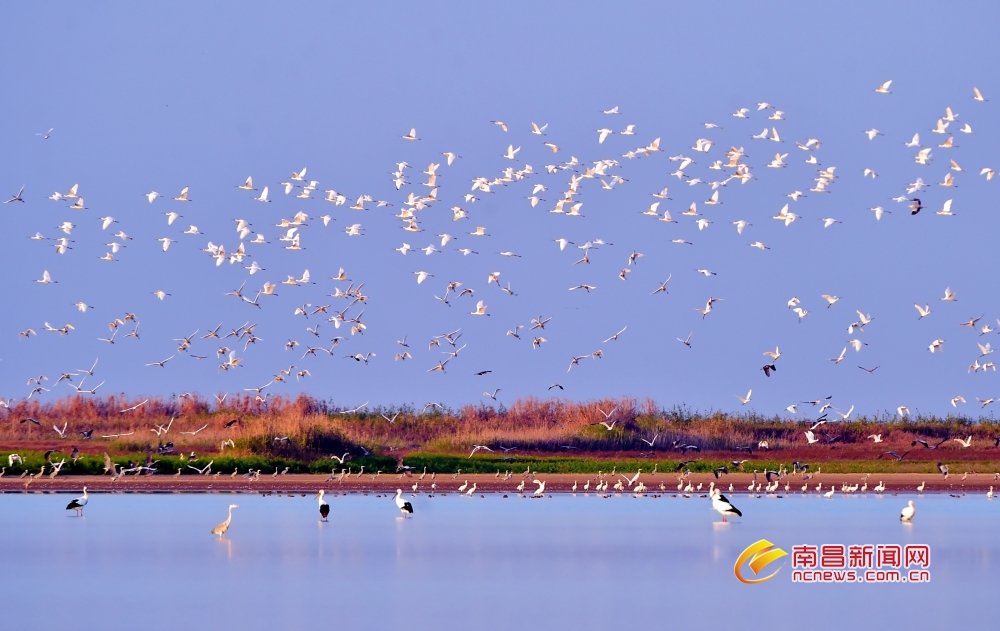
(271, 323)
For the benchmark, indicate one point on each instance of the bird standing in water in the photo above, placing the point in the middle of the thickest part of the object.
(78, 503)
(721, 504)
(404, 507)
(324, 508)
(224, 526)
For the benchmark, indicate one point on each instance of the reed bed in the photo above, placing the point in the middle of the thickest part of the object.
(305, 434)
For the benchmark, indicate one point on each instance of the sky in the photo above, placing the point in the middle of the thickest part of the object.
(144, 98)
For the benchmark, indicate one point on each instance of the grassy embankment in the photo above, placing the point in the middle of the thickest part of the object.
(548, 436)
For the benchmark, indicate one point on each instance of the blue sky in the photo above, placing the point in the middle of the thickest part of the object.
(141, 99)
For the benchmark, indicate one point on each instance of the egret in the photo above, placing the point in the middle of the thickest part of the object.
(224, 526)
(540, 491)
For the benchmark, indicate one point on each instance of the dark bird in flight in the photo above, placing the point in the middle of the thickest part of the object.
(915, 205)
(892, 454)
(768, 369)
(685, 448)
(926, 444)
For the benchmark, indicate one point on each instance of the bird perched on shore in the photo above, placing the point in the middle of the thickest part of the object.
(78, 503)
(324, 508)
(404, 507)
(224, 526)
(908, 512)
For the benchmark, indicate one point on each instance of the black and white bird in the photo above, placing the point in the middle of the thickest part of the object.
(78, 503)
(908, 511)
(324, 508)
(721, 504)
(404, 507)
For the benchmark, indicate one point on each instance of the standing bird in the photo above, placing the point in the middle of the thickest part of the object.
(404, 507)
(722, 505)
(78, 503)
(224, 526)
(908, 512)
(324, 508)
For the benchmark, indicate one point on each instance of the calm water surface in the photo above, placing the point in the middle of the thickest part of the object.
(148, 561)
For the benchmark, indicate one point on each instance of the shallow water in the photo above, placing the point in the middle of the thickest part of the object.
(148, 560)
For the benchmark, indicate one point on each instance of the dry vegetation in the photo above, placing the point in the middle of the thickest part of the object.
(542, 429)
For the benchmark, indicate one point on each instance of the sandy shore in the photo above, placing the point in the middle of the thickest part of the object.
(485, 483)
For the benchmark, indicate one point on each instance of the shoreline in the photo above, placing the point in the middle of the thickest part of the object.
(448, 484)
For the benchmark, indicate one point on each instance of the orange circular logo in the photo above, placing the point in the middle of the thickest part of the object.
(758, 555)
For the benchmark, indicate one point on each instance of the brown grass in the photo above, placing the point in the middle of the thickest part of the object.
(316, 429)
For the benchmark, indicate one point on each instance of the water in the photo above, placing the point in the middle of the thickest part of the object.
(582, 562)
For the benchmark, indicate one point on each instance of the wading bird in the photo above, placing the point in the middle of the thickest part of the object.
(324, 508)
(404, 507)
(78, 503)
(221, 529)
(721, 504)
